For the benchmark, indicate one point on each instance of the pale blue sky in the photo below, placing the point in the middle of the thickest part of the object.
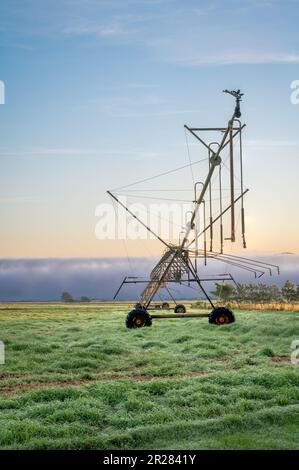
(97, 93)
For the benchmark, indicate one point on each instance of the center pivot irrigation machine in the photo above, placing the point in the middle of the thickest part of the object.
(179, 262)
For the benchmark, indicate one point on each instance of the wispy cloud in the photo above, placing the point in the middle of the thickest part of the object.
(187, 34)
(110, 26)
(106, 30)
(236, 58)
(136, 154)
(139, 105)
(266, 144)
(192, 35)
(48, 152)
(131, 86)
(16, 200)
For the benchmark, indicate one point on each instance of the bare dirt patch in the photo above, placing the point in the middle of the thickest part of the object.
(12, 309)
(17, 387)
(280, 359)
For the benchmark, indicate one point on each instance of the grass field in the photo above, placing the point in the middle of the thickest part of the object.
(76, 378)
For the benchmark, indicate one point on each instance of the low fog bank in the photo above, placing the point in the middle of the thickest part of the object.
(99, 278)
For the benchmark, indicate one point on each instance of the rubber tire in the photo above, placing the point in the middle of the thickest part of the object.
(138, 314)
(165, 305)
(180, 308)
(221, 312)
(138, 306)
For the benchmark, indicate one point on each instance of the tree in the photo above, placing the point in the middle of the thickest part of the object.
(257, 293)
(223, 291)
(289, 291)
(67, 297)
(264, 293)
(252, 292)
(85, 299)
(275, 293)
(240, 292)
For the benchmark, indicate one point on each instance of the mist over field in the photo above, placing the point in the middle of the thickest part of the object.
(99, 278)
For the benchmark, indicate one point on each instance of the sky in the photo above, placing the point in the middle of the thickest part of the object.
(96, 97)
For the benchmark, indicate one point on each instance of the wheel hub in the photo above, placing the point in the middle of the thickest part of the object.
(222, 319)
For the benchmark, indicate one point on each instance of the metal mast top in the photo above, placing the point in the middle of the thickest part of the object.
(214, 162)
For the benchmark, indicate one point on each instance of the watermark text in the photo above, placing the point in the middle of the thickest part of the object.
(2, 92)
(294, 97)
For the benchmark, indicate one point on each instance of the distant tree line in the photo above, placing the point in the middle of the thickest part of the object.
(67, 297)
(257, 292)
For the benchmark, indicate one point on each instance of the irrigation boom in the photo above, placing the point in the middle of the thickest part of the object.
(178, 263)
